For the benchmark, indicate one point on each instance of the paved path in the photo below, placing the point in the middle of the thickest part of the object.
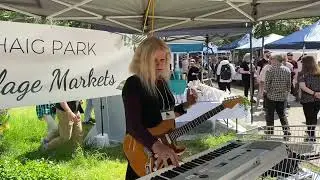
(295, 112)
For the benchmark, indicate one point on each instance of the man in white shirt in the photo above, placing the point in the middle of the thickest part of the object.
(225, 72)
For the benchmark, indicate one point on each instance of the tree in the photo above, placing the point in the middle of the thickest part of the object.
(17, 17)
(282, 27)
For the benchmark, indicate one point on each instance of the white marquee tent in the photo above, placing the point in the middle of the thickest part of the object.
(141, 16)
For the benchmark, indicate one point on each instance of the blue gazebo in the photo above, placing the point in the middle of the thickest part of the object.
(308, 38)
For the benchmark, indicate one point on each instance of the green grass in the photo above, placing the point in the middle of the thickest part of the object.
(20, 157)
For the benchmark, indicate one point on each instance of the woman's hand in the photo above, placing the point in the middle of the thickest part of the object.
(191, 97)
(163, 153)
(317, 95)
(73, 117)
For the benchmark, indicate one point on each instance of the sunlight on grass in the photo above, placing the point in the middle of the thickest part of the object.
(20, 156)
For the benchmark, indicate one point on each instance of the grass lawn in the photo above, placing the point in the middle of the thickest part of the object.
(20, 157)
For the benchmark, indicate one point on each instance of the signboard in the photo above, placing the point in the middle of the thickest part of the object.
(46, 64)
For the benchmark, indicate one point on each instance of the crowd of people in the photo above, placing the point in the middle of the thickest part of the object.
(276, 76)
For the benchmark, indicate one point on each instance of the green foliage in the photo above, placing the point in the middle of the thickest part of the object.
(282, 27)
(17, 17)
(40, 169)
(3, 115)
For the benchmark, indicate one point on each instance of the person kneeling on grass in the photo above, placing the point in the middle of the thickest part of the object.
(69, 126)
(48, 113)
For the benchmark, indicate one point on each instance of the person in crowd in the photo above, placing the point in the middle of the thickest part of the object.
(262, 81)
(185, 65)
(194, 71)
(246, 74)
(225, 72)
(262, 62)
(309, 82)
(87, 113)
(70, 125)
(48, 113)
(146, 97)
(291, 68)
(294, 72)
(277, 88)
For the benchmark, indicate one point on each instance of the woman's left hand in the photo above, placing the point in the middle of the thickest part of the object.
(191, 97)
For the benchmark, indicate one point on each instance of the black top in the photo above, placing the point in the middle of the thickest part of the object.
(313, 83)
(262, 63)
(194, 74)
(245, 67)
(294, 63)
(74, 106)
(143, 110)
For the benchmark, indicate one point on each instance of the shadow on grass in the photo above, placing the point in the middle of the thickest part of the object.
(68, 153)
(61, 154)
(114, 153)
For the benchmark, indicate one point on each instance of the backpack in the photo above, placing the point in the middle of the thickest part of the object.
(225, 73)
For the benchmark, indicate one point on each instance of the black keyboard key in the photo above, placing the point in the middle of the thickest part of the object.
(198, 161)
(157, 178)
(186, 166)
(170, 174)
(180, 169)
(191, 164)
(208, 157)
(214, 154)
(204, 158)
(211, 156)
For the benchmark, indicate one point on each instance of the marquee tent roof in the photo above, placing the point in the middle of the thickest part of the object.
(237, 43)
(134, 16)
(309, 37)
(258, 43)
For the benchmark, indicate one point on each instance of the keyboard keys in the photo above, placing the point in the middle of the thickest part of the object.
(157, 178)
(191, 164)
(186, 166)
(198, 161)
(170, 174)
(180, 169)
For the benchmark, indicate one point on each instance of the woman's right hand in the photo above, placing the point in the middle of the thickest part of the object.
(163, 153)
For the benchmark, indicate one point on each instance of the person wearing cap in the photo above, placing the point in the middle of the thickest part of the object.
(293, 73)
(260, 65)
(264, 61)
(194, 71)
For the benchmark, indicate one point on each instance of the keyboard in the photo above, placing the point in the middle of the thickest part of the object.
(234, 160)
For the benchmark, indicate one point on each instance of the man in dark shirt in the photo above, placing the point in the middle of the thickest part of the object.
(263, 61)
(294, 63)
(194, 71)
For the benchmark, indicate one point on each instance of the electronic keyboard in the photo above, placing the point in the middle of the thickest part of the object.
(235, 160)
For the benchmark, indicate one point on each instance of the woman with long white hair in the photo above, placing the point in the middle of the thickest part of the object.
(147, 98)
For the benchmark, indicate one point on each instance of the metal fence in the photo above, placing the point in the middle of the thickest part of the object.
(303, 149)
